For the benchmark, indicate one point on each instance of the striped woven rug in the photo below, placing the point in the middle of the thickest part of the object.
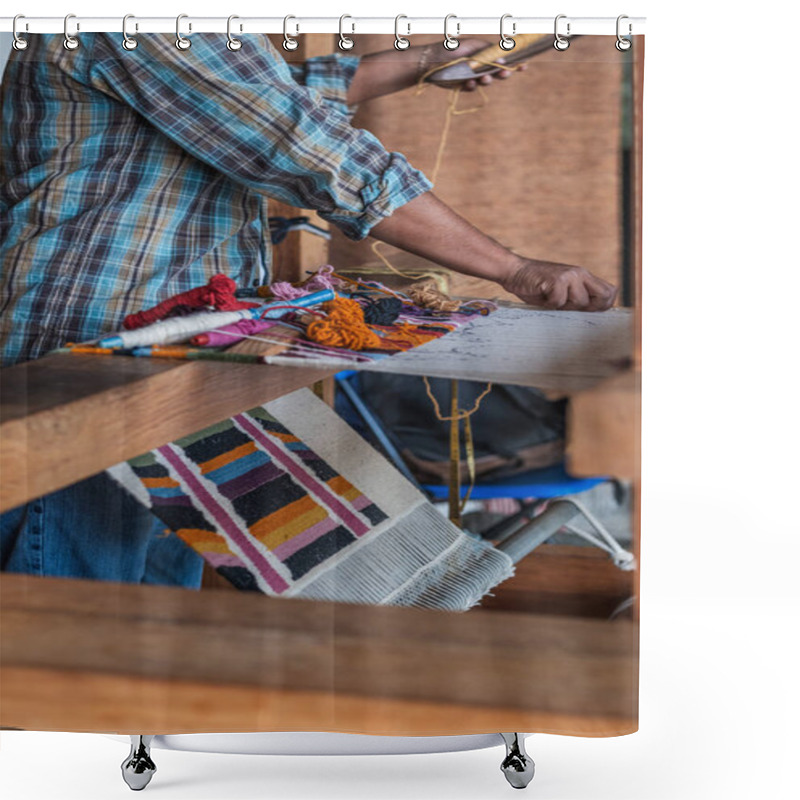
(288, 500)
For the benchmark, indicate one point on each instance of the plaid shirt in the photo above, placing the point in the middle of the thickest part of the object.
(128, 176)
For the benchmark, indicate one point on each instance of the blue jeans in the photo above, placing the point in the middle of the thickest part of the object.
(95, 529)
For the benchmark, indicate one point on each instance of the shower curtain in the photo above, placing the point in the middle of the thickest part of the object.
(272, 557)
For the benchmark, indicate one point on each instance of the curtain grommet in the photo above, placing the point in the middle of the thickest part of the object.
(400, 42)
(70, 42)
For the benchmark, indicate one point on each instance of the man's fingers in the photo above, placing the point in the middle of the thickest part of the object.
(555, 293)
(560, 286)
(602, 294)
(578, 295)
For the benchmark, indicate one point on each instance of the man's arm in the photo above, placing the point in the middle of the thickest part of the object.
(245, 116)
(429, 228)
(248, 118)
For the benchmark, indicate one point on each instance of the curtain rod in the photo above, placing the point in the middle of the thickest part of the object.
(407, 26)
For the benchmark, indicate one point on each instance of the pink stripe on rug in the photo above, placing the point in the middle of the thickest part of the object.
(300, 540)
(223, 520)
(315, 487)
(361, 502)
(218, 560)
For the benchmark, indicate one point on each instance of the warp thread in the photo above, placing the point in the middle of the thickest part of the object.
(218, 293)
(343, 327)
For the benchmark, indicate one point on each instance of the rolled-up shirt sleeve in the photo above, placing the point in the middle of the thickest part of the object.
(330, 75)
(244, 114)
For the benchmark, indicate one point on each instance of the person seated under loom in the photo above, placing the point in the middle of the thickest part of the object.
(130, 176)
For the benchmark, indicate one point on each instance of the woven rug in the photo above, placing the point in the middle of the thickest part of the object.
(288, 500)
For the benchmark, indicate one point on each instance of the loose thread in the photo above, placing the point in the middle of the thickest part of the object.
(456, 415)
(413, 274)
(451, 111)
(462, 414)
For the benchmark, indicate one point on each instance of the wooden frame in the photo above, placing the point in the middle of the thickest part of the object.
(93, 656)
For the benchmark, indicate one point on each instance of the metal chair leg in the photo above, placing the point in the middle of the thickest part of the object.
(138, 768)
(517, 766)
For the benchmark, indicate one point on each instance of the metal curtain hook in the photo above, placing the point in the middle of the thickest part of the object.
(451, 42)
(506, 42)
(400, 42)
(128, 42)
(345, 42)
(288, 42)
(19, 43)
(181, 42)
(560, 43)
(233, 44)
(623, 44)
(70, 42)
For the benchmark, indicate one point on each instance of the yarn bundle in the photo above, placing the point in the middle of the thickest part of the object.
(327, 318)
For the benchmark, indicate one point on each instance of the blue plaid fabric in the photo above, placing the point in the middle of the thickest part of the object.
(128, 176)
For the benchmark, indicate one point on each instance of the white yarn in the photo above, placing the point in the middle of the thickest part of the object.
(178, 329)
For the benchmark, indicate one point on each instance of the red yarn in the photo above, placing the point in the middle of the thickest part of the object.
(218, 293)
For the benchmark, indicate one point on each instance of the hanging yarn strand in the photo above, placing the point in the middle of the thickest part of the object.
(456, 415)
(461, 413)
(451, 111)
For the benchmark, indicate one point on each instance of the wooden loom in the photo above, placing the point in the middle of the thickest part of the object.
(81, 655)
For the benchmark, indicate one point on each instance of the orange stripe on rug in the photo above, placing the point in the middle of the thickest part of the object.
(226, 458)
(204, 541)
(160, 483)
(343, 488)
(281, 526)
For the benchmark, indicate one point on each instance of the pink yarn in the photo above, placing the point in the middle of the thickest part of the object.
(283, 290)
(323, 279)
(229, 334)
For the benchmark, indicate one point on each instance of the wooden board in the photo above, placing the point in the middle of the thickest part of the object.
(568, 580)
(559, 351)
(93, 656)
(66, 417)
(604, 428)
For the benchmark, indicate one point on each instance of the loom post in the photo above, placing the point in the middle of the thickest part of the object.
(454, 494)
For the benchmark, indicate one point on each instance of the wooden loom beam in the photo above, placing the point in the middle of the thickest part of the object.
(65, 417)
(89, 656)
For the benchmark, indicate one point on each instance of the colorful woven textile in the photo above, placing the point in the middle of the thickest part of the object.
(286, 499)
(409, 332)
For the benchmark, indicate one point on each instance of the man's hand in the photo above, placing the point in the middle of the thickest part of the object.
(390, 71)
(468, 47)
(543, 283)
(429, 228)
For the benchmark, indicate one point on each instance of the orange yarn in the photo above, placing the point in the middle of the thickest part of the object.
(406, 337)
(343, 327)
